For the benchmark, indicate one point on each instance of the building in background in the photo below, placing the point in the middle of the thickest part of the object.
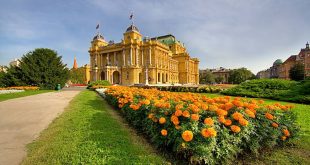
(281, 69)
(3, 68)
(75, 65)
(15, 62)
(218, 73)
(158, 60)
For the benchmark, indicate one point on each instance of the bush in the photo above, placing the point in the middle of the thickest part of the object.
(99, 84)
(277, 89)
(204, 130)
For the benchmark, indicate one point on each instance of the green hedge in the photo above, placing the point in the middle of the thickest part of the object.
(273, 89)
(99, 83)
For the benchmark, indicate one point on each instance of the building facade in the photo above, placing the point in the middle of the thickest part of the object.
(15, 62)
(281, 69)
(221, 73)
(158, 60)
(303, 57)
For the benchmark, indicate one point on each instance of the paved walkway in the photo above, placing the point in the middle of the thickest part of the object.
(22, 120)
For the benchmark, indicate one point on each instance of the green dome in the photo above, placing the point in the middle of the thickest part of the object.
(278, 62)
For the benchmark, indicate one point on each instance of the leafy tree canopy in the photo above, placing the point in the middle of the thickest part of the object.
(297, 72)
(41, 67)
(207, 78)
(240, 75)
(77, 76)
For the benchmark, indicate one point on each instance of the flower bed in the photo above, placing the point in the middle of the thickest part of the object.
(21, 88)
(3, 91)
(193, 89)
(201, 129)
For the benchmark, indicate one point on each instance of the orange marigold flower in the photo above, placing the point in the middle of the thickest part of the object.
(283, 138)
(186, 114)
(260, 101)
(208, 121)
(178, 107)
(275, 125)
(286, 132)
(164, 132)
(175, 120)
(195, 117)
(187, 135)
(178, 113)
(269, 116)
(162, 120)
(221, 112)
(250, 113)
(151, 115)
(204, 107)
(237, 116)
(177, 127)
(146, 102)
(235, 128)
(208, 132)
(228, 122)
(243, 122)
(222, 119)
(213, 107)
(228, 106)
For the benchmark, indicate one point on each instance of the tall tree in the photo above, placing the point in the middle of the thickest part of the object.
(77, 76)
(41, 67)
(240, 75)
(219, 79)
(297, 72)
(207, 78)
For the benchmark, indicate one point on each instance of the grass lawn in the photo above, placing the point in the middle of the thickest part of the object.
(299, 153)
(89, 132)
(8, 96)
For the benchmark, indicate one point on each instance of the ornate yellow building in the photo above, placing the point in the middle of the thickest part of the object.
(159, 60)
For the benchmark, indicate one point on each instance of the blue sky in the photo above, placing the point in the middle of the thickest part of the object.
(227, 33)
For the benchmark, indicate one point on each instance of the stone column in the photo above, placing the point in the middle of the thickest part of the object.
(115, 58)
(108, 59)
(150, 56)
(137, 56)
(142, 57)
(124, 59)
(130, 53)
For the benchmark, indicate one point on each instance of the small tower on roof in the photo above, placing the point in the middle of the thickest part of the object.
(75, 65)
(307, 45)
(132, 32)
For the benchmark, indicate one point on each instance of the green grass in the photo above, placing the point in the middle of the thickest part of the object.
(299, 152)
(89, 132)
(8, 96)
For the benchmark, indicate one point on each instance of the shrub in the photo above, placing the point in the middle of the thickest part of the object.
(99, 84)
(201, 129)
(274, 89)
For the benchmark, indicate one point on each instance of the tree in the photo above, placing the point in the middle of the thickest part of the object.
(297, 72)
(240, 75)
(219, 79)
(77, 76)
(208, 77)
(41, 67)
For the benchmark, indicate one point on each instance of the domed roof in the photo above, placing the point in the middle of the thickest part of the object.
(98, 37)
(132, 28)
(278, 62)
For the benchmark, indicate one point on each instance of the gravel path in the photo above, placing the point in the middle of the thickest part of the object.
(22, 120)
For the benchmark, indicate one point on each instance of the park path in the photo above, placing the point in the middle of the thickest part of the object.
(22, 120)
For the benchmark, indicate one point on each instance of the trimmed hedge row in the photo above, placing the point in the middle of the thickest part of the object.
(276, 89)
(204, 130)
